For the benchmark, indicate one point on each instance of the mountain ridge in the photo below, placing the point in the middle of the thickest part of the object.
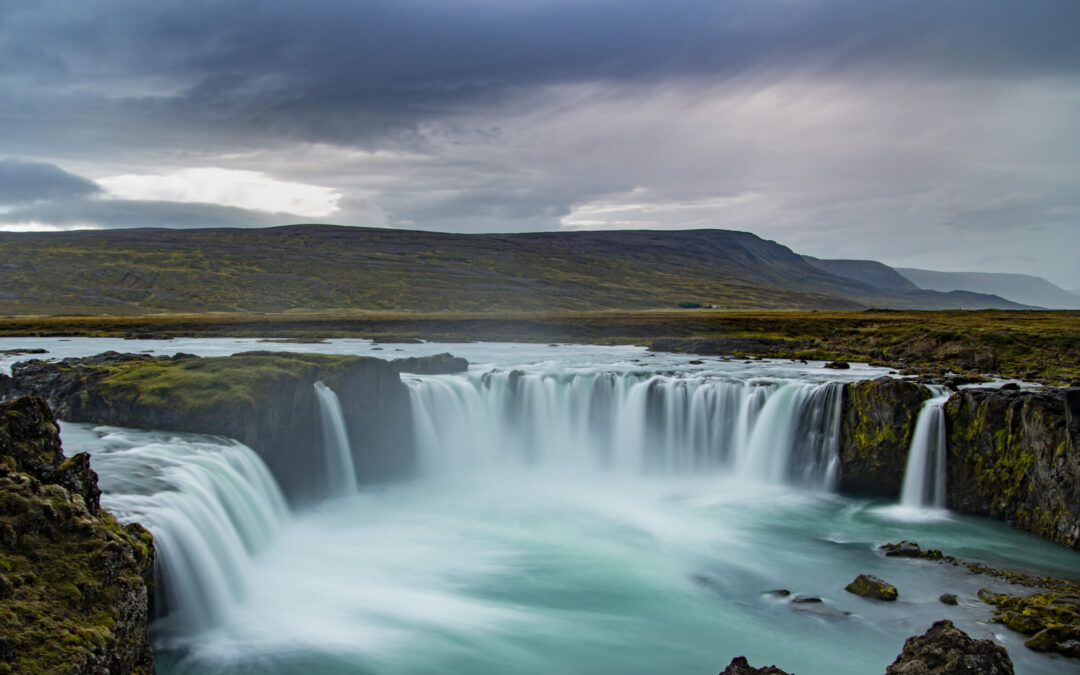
(329, 267)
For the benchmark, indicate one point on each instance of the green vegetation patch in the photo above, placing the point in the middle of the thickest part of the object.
(201, 385)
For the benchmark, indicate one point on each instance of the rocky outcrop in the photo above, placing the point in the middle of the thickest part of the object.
(266, 400)
(876, 425)
(1052, 619)
(74, 583)
(740, 666)
(945, 649)
(1015, 456)
(869, 586)
(438, 364)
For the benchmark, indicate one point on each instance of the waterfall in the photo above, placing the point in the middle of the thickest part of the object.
(340, 472)
(924, 475)
(211, 505)
(780, 431)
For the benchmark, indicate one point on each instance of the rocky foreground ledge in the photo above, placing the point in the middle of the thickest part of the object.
(942, 650)
(74, 583)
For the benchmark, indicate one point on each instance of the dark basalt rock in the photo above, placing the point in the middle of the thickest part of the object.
(263, 399)
(740, 666)
(905, 549)
(876, 425)
(1015, 456)
(947, 650)
(869, 586)
(948, 599)
(74, 592)
(806, 598)
(838, 365)
(431, 365)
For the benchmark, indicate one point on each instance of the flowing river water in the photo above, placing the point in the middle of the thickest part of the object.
(574, 509)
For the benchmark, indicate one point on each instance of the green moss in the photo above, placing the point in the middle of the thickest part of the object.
(196, 386)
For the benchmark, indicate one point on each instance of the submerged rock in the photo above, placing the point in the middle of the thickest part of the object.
(838, 365)
(905, 549)
(948, 598)
(806, 598)
(945, 649)
(740, 666)
(869, 586)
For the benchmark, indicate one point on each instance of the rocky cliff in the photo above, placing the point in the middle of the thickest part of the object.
(1011, 455)
(266, 400)
(876, 425)
(1015, 456)
(73, 582)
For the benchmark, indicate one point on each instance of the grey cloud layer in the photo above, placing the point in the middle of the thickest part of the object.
(936, 133)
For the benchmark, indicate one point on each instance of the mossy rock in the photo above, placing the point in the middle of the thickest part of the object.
(869, 586)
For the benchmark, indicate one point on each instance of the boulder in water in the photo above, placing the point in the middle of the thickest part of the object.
(838, 365)
(948, 598)
(740, 666)
(869, 586)
(945, 649)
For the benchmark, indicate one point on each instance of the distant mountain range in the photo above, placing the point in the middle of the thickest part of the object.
(332, 268)
(1020, 288)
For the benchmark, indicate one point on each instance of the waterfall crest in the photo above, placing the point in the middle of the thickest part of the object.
(779, 431)
(924, 475)
(211, 505)
(340, 470)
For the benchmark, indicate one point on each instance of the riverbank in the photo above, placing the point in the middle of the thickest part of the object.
(1036, 346)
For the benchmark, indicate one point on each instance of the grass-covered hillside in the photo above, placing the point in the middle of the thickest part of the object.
(325, 268)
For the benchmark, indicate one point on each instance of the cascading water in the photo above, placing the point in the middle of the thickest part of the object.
(211, 505)
(629, 423)
(626, 548)
(924, 475)
(340, 471)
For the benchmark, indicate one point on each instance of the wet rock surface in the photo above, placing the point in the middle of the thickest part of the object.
(869, 586)
(945, 649)
(876, 425)
(740, 666)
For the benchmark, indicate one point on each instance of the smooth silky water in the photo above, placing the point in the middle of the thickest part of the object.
(601, 510)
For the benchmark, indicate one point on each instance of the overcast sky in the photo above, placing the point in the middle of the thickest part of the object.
(922, 133)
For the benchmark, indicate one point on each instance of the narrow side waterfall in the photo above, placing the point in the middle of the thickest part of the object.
(780, 431)
(924, 475)
(211, 505)
(340, 471)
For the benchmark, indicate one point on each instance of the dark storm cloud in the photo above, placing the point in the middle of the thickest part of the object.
(23, 182)
(922, 132)
(70, 213)
(358, 72)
